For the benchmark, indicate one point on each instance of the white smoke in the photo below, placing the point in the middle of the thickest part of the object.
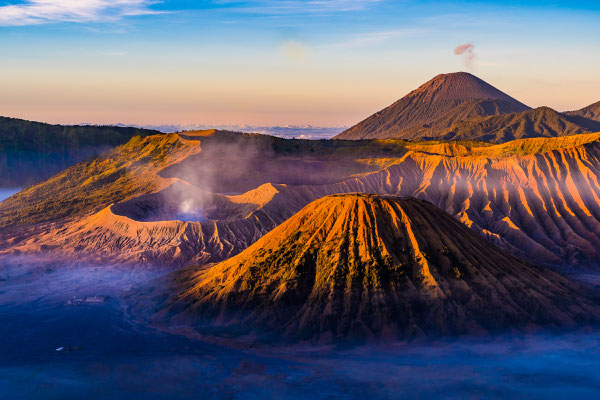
(189, 210)
(187, 206)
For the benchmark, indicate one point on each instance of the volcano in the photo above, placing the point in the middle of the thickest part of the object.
(433, 107)
(359, 266)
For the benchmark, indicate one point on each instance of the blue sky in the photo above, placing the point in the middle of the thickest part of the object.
(320, 62)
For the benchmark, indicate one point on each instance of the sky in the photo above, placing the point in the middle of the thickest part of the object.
(282, 62)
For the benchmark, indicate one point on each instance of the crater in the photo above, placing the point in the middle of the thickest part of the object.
(181, 202)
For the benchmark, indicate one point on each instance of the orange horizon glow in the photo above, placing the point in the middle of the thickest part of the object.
(296, 65)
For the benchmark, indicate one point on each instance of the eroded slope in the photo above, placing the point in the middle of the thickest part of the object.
(429, 110)
(538, 198)
(360, 266)
(590, 112)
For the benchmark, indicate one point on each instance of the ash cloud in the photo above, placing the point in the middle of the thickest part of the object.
(467, 52)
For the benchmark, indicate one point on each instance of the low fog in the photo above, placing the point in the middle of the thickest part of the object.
(67, 332)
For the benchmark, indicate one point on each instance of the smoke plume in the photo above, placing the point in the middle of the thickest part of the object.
(467, 51)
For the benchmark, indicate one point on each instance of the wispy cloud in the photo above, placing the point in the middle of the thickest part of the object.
(35, 12)
(300, 6)
(341, 5)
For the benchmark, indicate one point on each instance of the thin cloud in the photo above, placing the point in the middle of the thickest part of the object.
(342, 5)
(285, 7)
(35, 12)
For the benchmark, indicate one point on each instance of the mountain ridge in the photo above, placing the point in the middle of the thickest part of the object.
(590, 112)
(538, 122)
(537, 198)
(33, 151)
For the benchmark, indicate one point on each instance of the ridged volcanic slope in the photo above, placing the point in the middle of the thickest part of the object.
(360, 266)
(591, 112)
(434, 103)
(539, 122)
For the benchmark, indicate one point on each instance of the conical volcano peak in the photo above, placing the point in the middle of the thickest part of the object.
(367, 266)
(458, 86)
(430, 110)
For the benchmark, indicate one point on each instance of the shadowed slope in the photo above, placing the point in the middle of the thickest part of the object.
(590, 112)
(433, 107)
(369, 266)
(33, 151)
(473, 110)
(540, 122)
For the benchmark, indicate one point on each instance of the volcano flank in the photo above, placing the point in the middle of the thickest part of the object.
(460, 106)
(361, 266)
(433, 107)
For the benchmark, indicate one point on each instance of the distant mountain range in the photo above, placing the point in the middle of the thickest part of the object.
(460, 106)
(591, 112)
(538, 122)
(286, 131)
(457, 106)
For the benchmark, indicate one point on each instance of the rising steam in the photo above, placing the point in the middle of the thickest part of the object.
(467, 51)
(190, 211)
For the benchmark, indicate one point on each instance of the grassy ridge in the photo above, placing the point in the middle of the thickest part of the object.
(133, 169)
(33, 151)
(130, 169)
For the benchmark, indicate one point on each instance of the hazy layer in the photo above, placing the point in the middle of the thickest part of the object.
(107, 355)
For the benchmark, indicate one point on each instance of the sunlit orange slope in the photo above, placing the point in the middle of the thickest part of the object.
(365, 266)
(538, 198)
